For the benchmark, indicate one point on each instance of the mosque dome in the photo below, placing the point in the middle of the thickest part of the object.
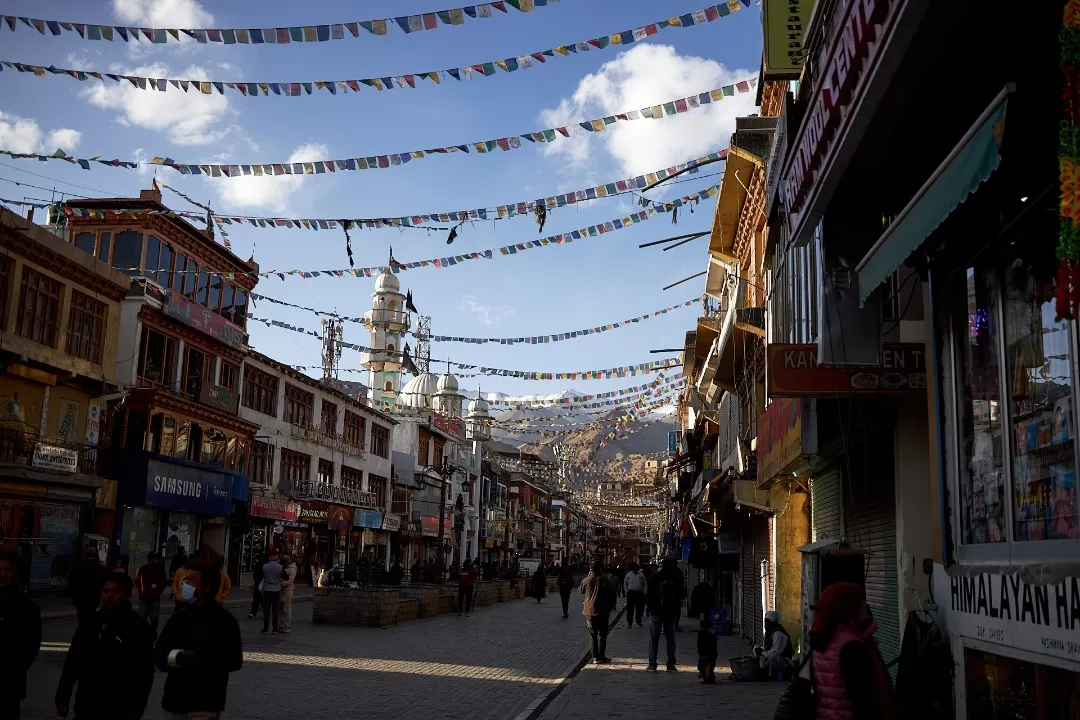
(478, 407)
(448, 384)
(418, 392)
(387, 283)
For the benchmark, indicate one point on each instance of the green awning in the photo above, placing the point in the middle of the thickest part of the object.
(969, 164)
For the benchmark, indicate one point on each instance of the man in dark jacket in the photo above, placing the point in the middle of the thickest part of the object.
(198, 649)
(150, 581)
(663, 597)
(565, 582)
(20, 636)
(84, 585)
(111, 659)
(599, 602)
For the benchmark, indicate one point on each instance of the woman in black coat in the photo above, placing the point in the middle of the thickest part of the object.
(539, 584)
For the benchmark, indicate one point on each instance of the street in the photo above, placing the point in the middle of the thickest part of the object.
(501, 663)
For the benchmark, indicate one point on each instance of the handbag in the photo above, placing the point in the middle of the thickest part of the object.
(798, 701)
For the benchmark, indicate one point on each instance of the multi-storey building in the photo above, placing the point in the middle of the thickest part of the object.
(59, 323)
(320, 471)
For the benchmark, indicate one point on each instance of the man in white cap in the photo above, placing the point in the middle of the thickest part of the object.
(774, 658)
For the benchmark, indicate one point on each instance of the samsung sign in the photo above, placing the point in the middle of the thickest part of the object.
(188, 489)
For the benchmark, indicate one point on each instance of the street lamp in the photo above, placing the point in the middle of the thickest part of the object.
(446, 473)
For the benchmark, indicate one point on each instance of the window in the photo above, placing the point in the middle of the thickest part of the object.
(240, 308)
(377, 484)
(168, 436)
(437, 456)
(164, 266)
(85, 242)
(227, 301)
(232, 446)
(104, 246)
(262, 464)
(179, 273)
(86, 327)
(197, 367)
(150, 261)
(326, 471)
(191, 279)
(229, 374)
(352, 478)
(183, 434)
(39, 300)
(380, 440)
(354, 429)
(6, 266)
(299, 406)
(157, 358)
(260, 391)
(204, 288)
(127, 256)
(423, 454)
(328, 424)
(213, 300)
(295, 466)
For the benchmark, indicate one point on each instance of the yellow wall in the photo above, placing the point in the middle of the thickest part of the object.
(20, 404)
(67, 414)
(792, 528)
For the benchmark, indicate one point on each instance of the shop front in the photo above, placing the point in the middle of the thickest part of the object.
(250, 543)
(430, 531)
(369, 536)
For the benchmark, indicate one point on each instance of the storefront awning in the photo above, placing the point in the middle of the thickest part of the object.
(969, 164)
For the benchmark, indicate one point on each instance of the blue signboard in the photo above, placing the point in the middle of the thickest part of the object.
(673, 438)
(188, 489)
(368, 519)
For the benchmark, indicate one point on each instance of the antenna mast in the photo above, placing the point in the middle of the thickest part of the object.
(332, 338)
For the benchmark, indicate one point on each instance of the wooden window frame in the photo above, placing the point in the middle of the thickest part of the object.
(378, 484)
(87, 321)
(325, 472)
(352, 478)
(260, 390)
(380, 440)
(262, 464)
(328, 415)
(298, 461)
(354, 429)
(299, 406)
(39, 307)
(228, 375)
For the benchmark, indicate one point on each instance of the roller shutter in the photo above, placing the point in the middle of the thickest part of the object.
(750, 602)
(826, 504)
(872, 527)
(756, 559)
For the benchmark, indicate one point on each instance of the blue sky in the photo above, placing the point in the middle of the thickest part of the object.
(548, 290)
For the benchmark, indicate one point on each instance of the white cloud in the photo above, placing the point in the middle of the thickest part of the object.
(487, 314)
(163, 13)
(23, 135)
(272, 192)
(193, 119)
(642, 77)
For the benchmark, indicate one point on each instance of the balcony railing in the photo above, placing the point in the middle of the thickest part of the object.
(316, 490)
(391, 317)
(51, 454)
(333, 441)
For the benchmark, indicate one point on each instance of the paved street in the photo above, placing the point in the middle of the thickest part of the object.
(497, 664)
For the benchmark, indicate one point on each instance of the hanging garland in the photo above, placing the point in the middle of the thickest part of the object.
(372, 162)
(407, 80)
(1068, 251)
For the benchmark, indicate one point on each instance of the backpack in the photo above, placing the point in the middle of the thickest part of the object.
(669, 596)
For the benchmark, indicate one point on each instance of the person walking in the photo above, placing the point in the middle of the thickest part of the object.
(288, 584)
(466, 587)
(226, 585)
(539, 583)
(634, 585)
(111, 659)
(599, 602)
(311, 554)
(273, 574)
(416, 572)
(256, 589)
(150, 583)
(198, 649)
(84, 584)
(850, 677)
(663, 596)
(20, 636)
(178, 583)
(565, 582)
(178, 560)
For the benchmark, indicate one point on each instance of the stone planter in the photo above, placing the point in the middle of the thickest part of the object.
(502, 590)
(482, 593)
(408, 609)
(427, 597)
(447, 603)
(373, 607)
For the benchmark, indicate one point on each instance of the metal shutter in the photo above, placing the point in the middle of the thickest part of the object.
(750, 602)
(874, 530)
(826, 505)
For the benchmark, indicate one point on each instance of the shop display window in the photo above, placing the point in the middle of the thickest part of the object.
(1002, 688)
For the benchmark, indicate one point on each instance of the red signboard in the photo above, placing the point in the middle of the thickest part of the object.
(274, 509)
(202, 319)
(449, 425)
(793, 370)
(339, 517)
(431, 527)
(854, 47)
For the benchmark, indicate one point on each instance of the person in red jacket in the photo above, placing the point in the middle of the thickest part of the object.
(151, 582)
(466, 581)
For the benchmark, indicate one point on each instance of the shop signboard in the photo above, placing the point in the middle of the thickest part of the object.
(431, 527)
(784, 23)
(188, 489)
(368, 519)
(339, 517)
(793, 371)
(50, 457)
(786, 434)
(219, 397)
(313, 512)
(105, 496)
(855, 45)
(202, 319)
(262, 506)
(1007, 611)
(391, 523)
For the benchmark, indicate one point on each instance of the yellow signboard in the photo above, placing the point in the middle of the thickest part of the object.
(785, 28)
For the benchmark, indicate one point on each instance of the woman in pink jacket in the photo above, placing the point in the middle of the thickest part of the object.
(851, 681)
(288, 584)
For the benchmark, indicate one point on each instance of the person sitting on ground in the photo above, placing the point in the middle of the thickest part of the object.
(774, 659)
(707, 651)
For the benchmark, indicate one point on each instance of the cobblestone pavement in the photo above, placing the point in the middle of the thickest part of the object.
(491, 665)
(623, 688)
